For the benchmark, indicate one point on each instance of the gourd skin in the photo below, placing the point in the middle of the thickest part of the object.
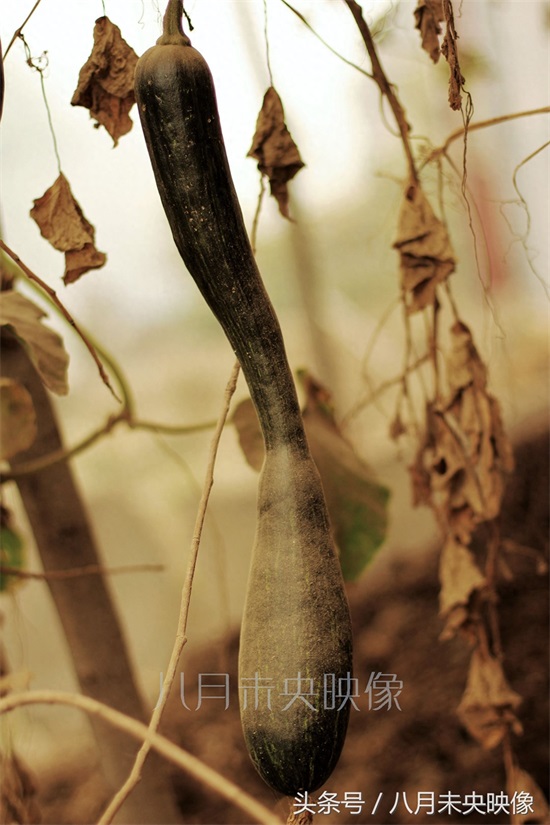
(179, 116)
(296, 623)
(296, 618)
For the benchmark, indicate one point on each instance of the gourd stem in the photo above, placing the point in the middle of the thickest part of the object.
(172, 30)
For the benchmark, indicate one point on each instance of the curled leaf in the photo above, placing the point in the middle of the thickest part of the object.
(106, 81)
(245, 421)
(62, 222)
(460, 578)
(487, 708)
(463, 463)
(530, 804)
(464, 366)
(17, 418)
(449, 50)
(428, 15)
(273, 147)
(426, 255)
(45, 347)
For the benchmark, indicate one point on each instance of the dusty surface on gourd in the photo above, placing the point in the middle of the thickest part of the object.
(421, 747)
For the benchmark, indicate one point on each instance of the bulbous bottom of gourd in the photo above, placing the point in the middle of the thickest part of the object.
(295, 658)
(305, 757)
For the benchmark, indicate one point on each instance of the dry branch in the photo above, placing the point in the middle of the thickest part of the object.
(135, 775)
(184, 760)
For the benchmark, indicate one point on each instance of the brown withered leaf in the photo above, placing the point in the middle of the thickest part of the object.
(530, 802)
(106, 81)
(484, 482)
(245, 421)
(464, 366)
(487, 708)
(460, 577)
(17, 418)
(426, 255)
(62, 222)
(428, 15)
(465, 457)
(449, 50)
(272, 146)
(45, 347)
(440, 462)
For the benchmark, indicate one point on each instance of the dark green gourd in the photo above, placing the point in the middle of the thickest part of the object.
(296, 623)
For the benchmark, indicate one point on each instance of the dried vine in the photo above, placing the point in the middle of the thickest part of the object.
(463, 456)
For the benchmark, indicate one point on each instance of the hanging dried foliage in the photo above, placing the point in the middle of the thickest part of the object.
(44, 346)
(62, 222)
(460, 579)
(488, 706)
(428, 15)
(426, 255)
(463, 462)
(106, 81)
(449, 49)
(272, 146)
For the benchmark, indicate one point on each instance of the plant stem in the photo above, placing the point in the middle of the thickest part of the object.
(184, 760)
(181, 638)
(66, 314)
(385, 86)
(482, 124)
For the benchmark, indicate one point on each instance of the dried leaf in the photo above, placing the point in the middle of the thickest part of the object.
(62, 223)
(357, 504)
(425, 250)
(428, 15)
(245, 421)
(487, 708)
(106, 81)
(449, 50)
(397, 428)
(488, 453)
(464, 366)
(45, 347)
(272, 146)
(465, 457)
(79, 261)
(530, 803)
(460, 577)
(17, 418)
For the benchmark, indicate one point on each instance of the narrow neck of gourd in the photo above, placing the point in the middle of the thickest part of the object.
(172, 31)
(278, 409)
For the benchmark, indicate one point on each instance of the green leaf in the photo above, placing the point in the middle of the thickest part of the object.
(356, 501)
(11, 555)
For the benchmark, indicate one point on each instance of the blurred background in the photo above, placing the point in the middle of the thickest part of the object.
(332, 275)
